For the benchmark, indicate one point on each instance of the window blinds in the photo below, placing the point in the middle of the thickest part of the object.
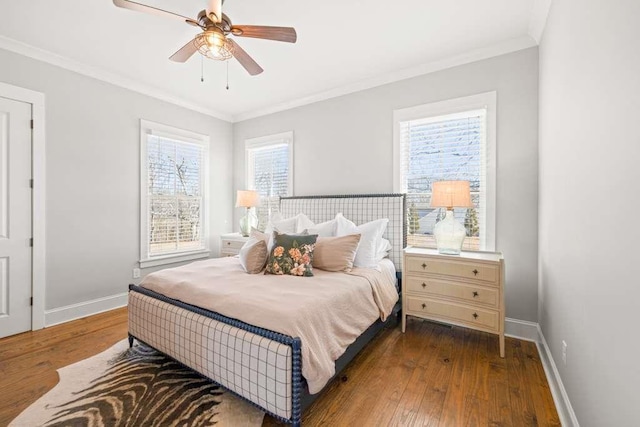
(270, 169)
(449, 147)
(269, 175)
(175, 199)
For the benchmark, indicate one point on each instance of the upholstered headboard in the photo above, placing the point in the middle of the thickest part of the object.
(358, 208)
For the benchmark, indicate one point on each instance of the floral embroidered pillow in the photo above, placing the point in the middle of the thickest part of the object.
(292, 254)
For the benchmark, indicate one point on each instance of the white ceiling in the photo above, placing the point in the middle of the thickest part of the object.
(341, 44)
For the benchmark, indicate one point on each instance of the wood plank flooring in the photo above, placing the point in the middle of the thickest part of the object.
(433, 375)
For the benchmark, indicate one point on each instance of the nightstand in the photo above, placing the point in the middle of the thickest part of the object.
(231, 243)
(465, 290)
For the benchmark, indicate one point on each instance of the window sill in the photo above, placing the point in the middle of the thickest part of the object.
(172, 259)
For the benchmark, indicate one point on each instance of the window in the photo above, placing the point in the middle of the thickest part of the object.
(174, 194)
(269, 166)
(450, 140)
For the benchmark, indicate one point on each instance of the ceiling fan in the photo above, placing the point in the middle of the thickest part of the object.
(214, 41)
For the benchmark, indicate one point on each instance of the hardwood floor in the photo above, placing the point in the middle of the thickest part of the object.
(432, 375)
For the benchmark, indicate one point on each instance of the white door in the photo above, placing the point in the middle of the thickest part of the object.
(15, 217)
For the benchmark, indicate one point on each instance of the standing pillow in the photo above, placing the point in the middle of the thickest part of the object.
(277, 223)
(324, 229)
(382, 251)
(366, 255)
(292, 254)
(253, 254)
(303, 223)
(285, 226)
(336, 253)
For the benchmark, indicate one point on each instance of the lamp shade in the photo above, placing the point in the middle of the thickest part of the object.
(247, 199)
(451, 194)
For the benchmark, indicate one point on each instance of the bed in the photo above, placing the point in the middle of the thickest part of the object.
(255, 363)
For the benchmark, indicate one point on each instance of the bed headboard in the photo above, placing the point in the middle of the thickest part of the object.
(359, 208)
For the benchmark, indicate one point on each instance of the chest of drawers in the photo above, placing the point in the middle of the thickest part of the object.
(465, 290)
(231, 243)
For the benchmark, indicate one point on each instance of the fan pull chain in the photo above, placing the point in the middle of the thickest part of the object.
(227, 75)
(201, 68)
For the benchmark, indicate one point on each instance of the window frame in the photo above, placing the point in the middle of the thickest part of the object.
(263, 142)
(486, 101)
(148, 127)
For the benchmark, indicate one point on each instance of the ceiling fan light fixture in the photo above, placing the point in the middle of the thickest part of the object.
(213, 44)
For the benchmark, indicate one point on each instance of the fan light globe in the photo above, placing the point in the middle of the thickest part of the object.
(214, 45)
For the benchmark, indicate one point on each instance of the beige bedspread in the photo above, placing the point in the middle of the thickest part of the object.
(327, 311)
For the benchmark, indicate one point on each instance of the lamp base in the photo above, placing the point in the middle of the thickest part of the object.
(449, 235)
(248, 221)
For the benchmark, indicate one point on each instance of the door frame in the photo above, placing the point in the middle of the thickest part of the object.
(38, 260)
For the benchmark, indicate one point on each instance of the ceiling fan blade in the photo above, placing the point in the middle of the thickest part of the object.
(185, 52)
(214, 8)
(281, 34)
(245, 60)
(139, 7)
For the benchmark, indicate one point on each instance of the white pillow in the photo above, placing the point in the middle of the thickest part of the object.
(371, 235)
(324, 229)
(383, 249)
(303, 223)
(282, 226)
(294, 225)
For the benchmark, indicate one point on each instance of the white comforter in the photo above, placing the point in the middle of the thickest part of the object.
(327, 311)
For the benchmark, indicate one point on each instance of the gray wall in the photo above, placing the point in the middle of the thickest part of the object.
(93, 175)
(344, 145)
(589, 153)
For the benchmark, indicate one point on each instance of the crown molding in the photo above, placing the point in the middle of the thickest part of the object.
(498, 49)
(538, 18)
(33, 52)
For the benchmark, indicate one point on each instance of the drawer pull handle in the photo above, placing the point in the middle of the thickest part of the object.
(228, 243)
(475, 315)
(475, 294)
(424, 265)
(424, 285)
(475, 272)
(424, 306)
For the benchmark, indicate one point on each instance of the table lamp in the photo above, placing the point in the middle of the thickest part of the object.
(448, 232)
(247, 199)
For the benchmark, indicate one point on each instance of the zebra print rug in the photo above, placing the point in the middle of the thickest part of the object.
(135, 387)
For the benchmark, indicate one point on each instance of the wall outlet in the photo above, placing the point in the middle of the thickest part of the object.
(136, 273)
(564, 351)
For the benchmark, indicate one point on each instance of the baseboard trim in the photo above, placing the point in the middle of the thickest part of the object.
(84, 309)
(530, 331)
(521, 329)
(560, 397)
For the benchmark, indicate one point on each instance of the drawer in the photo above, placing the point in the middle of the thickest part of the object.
(483, 318)
(462, 291)
(229, 252)
(232, 244)
(470, 270)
